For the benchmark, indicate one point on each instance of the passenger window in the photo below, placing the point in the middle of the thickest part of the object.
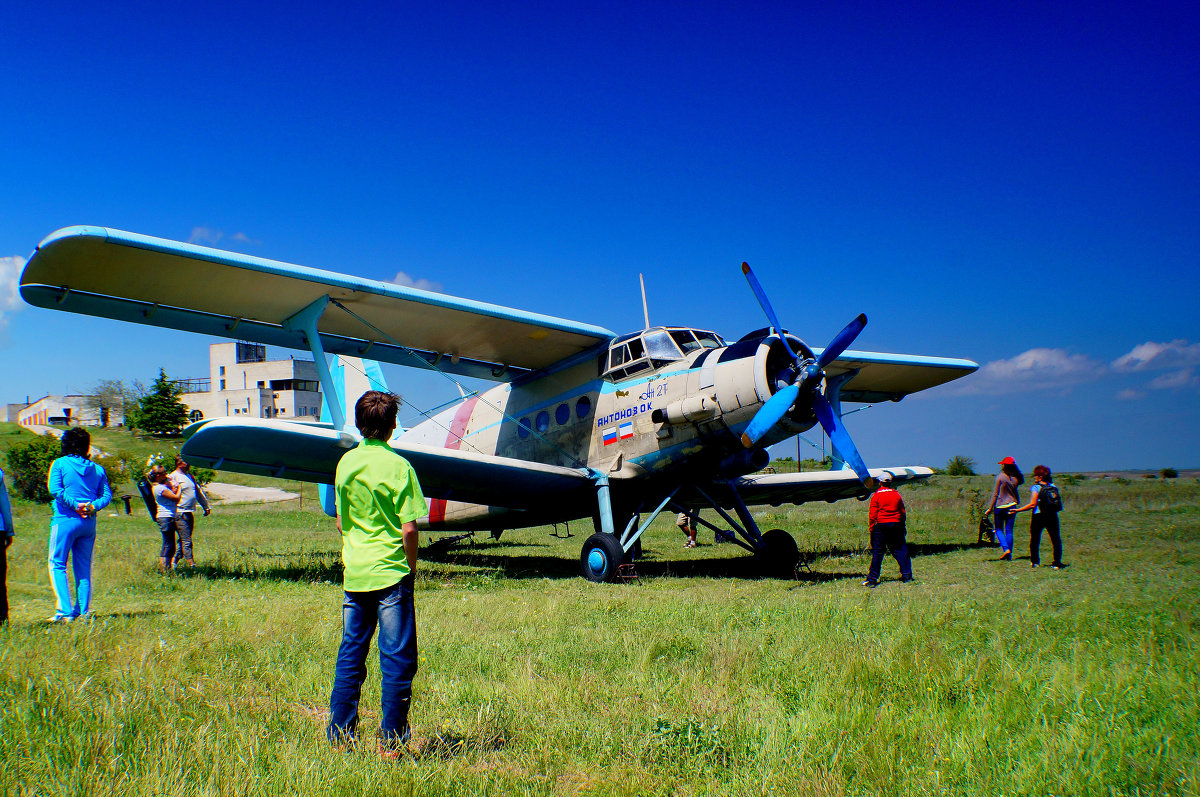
(543, 421)
(523, 428)
(583, 407)
(562, 414)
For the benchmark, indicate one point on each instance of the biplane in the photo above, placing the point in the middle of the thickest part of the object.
(581, 423)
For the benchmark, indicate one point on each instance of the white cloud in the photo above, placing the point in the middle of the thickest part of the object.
(422, 284)
(207, 236)
(1036, 369)
(1129, 394)
(1175, 379)
(1153, 356)
(10, 277)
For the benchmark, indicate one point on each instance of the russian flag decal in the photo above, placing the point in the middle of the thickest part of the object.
(610, 436)
(626, 430)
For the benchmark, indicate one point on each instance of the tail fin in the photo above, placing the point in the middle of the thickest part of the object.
(352, 377)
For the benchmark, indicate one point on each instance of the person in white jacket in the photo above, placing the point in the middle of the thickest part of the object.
(190, 494)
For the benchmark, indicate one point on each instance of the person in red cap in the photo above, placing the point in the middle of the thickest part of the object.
(886, 521)
(1004, 501)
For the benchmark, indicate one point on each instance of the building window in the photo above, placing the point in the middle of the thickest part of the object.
(562, 414)
(261, 383)
(222, 384)
(222, 370)
(196, 415)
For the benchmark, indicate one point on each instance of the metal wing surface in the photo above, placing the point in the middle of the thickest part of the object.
(776, 489)
(310, 452)
(888, 377)
(130, 277)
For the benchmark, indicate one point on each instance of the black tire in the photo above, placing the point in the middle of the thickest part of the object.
(600, 557)
(778, 556)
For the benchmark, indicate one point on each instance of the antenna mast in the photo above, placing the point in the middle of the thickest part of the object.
(645, 310)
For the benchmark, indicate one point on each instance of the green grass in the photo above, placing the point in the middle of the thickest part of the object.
(980, 678)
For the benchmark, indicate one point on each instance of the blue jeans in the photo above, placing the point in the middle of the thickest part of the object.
(1003, 521)
(392, 610)
(73, 538)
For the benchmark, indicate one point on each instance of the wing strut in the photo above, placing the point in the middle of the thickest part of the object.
(305, 322)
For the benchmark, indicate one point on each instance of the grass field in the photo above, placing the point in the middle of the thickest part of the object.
(981, 677)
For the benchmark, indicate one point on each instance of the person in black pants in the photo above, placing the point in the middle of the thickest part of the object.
(6, 537)
(886, 520)
(1044, 517)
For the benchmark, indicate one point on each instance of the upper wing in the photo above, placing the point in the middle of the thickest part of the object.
(889, 377)
(131, 277)
(310, 452)
(776, 489)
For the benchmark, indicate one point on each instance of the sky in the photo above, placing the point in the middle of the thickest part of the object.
(1013, 183)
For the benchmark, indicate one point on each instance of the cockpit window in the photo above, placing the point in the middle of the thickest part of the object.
(654, 348)
(686, 340)
(660, 346)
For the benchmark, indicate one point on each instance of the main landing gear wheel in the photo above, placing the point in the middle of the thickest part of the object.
(779, 555)
(600, 557)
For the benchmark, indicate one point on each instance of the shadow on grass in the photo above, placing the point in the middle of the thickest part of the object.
(444, 745)
(498, 559)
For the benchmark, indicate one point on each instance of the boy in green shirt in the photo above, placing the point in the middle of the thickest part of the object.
(378, 503)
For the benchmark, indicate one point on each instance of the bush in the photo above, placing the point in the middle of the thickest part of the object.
(29, 464)
(1072, 479)
(959, 465)
(1169, 473)
(203, 475)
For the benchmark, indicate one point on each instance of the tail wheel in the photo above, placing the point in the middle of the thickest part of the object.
(778, 556)
(600, 557)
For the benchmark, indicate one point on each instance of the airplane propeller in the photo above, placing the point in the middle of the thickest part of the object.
(806, 375)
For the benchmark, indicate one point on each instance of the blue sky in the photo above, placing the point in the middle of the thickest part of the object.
(1009, 183)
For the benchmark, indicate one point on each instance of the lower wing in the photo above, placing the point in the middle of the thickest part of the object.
(310, 452)
(776, 489)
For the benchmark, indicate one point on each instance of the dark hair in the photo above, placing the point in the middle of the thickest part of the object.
(1013, 470)
(76, 442)
(375, 414)
(1041, 472)
(180, 461)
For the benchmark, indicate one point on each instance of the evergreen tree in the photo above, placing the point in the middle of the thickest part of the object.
(160, 411)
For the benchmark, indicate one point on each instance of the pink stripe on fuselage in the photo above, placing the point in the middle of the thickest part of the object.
(458, 427)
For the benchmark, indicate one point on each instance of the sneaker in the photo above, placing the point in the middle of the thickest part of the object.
(1006, 557)
(1057, 566)
(870, 583)
(906, 580)
(1033, 564)
(60, 618)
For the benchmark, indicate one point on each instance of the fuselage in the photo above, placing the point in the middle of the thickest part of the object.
(664, 417)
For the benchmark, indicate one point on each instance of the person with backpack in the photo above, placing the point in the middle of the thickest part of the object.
(1046, 503)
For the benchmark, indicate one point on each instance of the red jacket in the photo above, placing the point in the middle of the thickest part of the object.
(886, 507)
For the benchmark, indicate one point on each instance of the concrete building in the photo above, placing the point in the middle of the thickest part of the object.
(11, 413)
(242, 381)
(69, 411)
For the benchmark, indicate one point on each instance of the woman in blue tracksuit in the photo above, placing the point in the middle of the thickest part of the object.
(78, 488)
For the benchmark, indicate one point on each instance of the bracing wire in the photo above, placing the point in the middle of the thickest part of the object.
(427, 365)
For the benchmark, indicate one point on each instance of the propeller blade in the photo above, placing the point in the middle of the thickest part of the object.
(840, 438)
(765, 304)
(769, 414)
(842, 340)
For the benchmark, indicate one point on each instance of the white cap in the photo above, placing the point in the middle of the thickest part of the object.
(885, 478)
